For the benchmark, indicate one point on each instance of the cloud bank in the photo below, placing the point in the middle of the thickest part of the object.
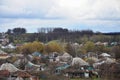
(73, 14)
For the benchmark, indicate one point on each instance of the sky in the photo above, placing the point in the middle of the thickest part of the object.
(96, 15)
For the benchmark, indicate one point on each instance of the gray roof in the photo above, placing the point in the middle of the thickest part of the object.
(79, 61)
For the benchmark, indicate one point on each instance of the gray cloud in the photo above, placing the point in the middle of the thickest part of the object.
(24, 9)
(82, 14)
(67, 9)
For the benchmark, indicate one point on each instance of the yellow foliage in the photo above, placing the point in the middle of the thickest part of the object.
(89, 46)
(53, 46)
(29, 48)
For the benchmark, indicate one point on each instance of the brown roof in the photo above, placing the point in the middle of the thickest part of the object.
(22, 74)
(4, 73)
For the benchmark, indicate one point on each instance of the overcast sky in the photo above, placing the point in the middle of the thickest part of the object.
(97, 15)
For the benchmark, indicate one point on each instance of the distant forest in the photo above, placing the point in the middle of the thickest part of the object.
(20, 35)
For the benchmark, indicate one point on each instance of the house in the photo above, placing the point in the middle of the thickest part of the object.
(4, 74)
(3, 39)
(91, 54)
(78, 61)
(8, 66)
(113, 43)
(101, 61)
(53, 56)
(80, 72)
(104, 55)
(77, 73)
(10, 46)
(61, 67)
(32, 67)
(92, 60)
(36, 54)
(65, 57)
(3, 55)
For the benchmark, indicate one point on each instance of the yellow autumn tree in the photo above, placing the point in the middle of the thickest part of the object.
(29, 48)
(37, 46)
(53, 46)
(89, 46)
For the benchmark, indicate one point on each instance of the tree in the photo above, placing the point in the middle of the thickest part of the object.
(9, 31)
(87, 32)
(82, 50)
(70, 49)
(101, 49)
(116, 51)
(37, 46)
(29, 48)
(53, 46)
(89, 46)
(11, 39)
(19, 31)
(60, 30)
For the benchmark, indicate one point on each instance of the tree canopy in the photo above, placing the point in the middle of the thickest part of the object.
(29, 48)
(19, 30)
(53, 46)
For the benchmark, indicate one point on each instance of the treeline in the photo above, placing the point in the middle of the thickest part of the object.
(63, 34)
(112, 33)
(80, 36)
(19, 35)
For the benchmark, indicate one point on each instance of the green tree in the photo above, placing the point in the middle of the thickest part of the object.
(19, 31)
(9, 31)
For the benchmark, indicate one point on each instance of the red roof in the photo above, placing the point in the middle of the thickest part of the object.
(22, 74)
(4, 73)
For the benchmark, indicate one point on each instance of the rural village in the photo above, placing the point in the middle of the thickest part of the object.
(58, 59)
